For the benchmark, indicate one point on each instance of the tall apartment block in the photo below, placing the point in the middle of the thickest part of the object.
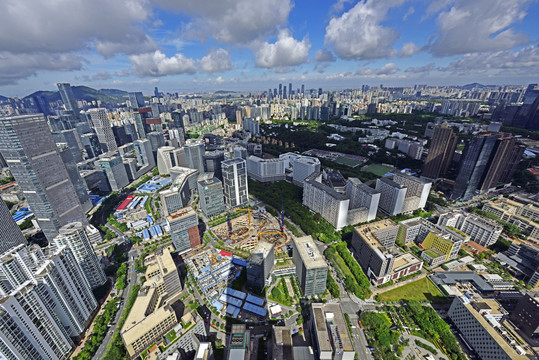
(143, 152)
(184, 230)
(311, 267)
(362, 196)
(417, 190)
(265, 170)
(402, 193)
(111, 165)
(480, 322)
(76, 238)
(392, 196)
(31, 154)
(320, 198)
(55, 275)
(11, 234)
(235, 186)
(304, 166)
(442, 148)
(489, 158)
(101, 125)
(331, 338)
(259, 265)
(481, 230)
(210, 192)
(373, 246)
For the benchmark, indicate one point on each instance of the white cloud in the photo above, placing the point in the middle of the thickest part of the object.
(478, 26)
(387, 69)
(409, 49)
(61, 26)
(158, 64)
(232, 21)
(324, 55)
(285, 52)
(358, 33)
(122, 73)
(216, 61)
(410, 11)
(219, 80)
(420, 69)
(526, 59)
(15, 67)
(101, 75)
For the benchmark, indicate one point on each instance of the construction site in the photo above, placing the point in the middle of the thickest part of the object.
(245, 231)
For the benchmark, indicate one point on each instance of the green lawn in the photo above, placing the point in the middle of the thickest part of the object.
(377, 170)
(348, 162)
(420, 290)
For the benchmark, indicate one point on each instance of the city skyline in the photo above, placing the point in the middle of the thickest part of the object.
(252, 45)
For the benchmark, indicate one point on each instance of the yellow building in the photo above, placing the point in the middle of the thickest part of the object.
(441, 244)
(152, 315)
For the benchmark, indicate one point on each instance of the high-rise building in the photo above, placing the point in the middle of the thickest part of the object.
(212, 162)
(259, 265)
(31, 154)
(11, 234)
(210, 191)
(136, 99)
(73, 141)
(235, 182)
(238, 343)
(178, 195)
(392, 196)
(66, 93)
(265, 170)
(101, 125)
(302, 89)
(481, 230)
(302, 167)
(143, 152)
(442, 148)
(194, 154)
(112, 166)
(311, 267)
(362, 196)
(184, 230)
(474, 165)
(480, 322)
(58, 280)
(290, 90)
(74, 176)
(331, 338)
(165, 159)
(76, 238)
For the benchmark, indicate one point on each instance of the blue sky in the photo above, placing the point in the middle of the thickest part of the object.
(252, 45)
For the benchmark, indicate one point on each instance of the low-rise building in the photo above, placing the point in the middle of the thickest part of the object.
(483, 231)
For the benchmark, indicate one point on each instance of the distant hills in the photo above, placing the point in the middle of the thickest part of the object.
(84, 93)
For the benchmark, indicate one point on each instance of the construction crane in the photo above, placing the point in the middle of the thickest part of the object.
(229, 224)
(249, 212)
(282, 214)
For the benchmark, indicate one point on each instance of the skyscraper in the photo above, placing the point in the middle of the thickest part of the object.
(235, 182)
(280, 89)
(74, 176)
(75, 237)
(136, 99)
(10, 232)
(194, 154)
(311, 268)
(302, 89)
(114, 170)
(259, 265)
(490, 158)
(29, 149)
(210, 191)
(101, 124)
(442, 148)
(66, 93)
(184, 229)
(290, 89)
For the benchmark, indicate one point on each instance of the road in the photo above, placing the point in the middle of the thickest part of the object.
(132, 279)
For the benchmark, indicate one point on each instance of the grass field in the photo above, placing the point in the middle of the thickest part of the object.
(348, 162)
(378, 170)
(420, 290)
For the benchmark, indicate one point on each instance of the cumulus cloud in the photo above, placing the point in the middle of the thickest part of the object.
(122, 73)
(50, 26)
(158, 64)
(387, 69)
(15, 67)
(409, 49)
(324, 55)
(358, 33)
(479, 26)
(101, 75)
(232, 21)
(285, 52)
(216, 61)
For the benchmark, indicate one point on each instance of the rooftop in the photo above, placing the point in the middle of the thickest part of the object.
(391, 183)
(311, 179)
(181, 213)
(309, 253)
(368, 232)
(331, 328)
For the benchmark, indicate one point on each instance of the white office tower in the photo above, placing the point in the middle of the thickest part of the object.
(235, 186)
(164, 160)
(101, 125)
(178, 195)
(56, 277)
(265, 170)
(303, 167)
(194, 154)
(76, 238)
(362, 196)
(10, 234)
(143, 151)
(392, 196)
(28, 329)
